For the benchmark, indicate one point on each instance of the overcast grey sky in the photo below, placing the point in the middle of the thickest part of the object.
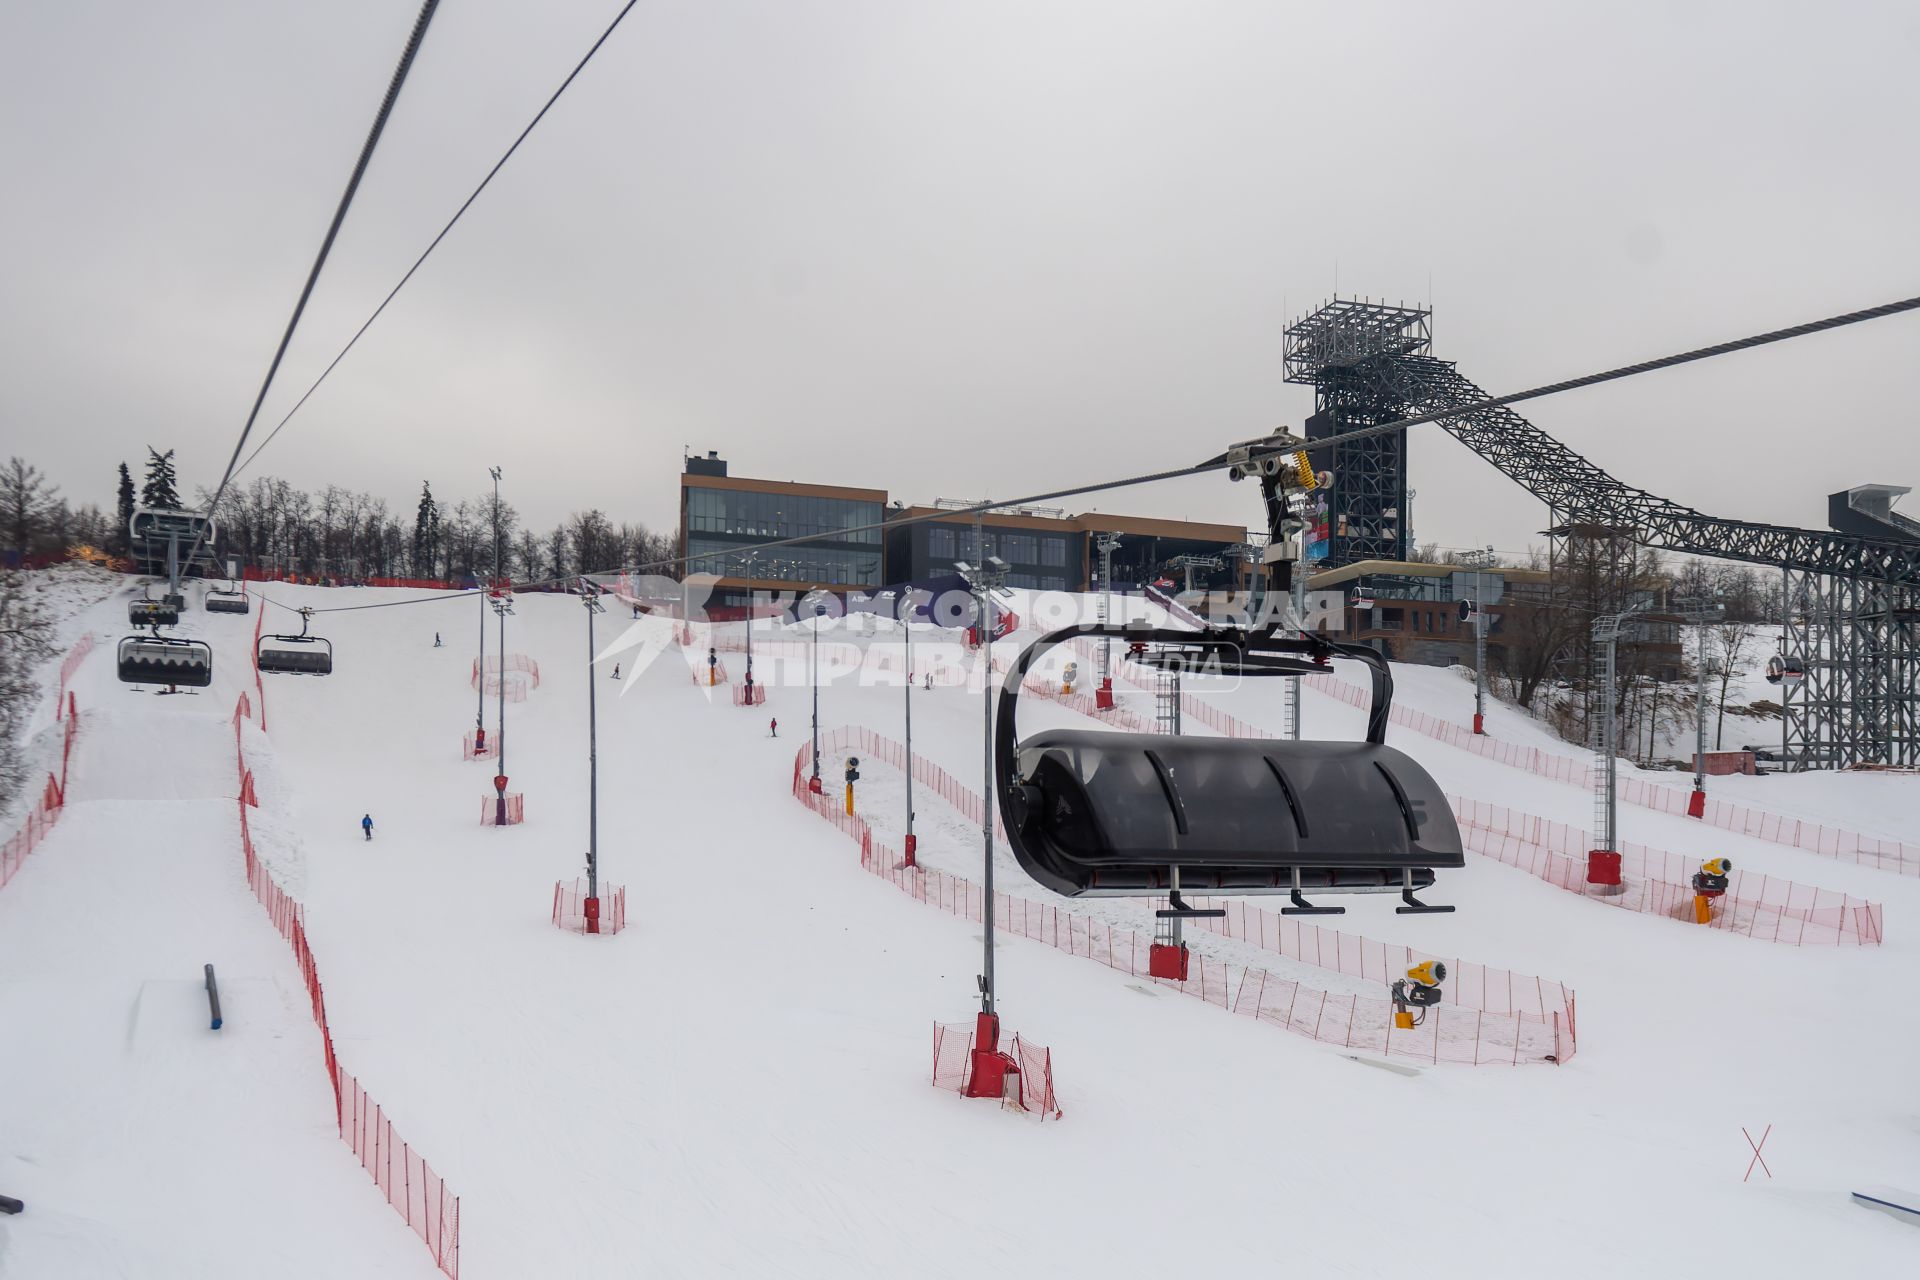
(955, 249)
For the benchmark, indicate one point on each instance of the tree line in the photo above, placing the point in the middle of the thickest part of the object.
(333, 532)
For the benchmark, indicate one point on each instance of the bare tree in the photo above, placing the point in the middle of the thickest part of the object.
(1732, 640)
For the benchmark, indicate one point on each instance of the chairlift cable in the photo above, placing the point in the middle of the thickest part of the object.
(435, 243)
(414, 38)
(1222, 463)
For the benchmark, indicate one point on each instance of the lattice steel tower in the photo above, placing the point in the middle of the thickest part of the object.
(1852, 593)
(1338, 350)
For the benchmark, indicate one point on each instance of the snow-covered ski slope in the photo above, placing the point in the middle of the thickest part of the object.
(738, 1084)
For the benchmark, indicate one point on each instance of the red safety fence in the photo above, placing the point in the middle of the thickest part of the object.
(490, 810)
(470, 748)
(570, 907)
(51, 804)
(741, 698)
(515, 689)
(514, 662)
(953, 1056)
(249, 573)
(1450, 1033)
(411, 1186)
(408, 1182)
(1775, 828)
(1658, 880)
(1814, 837)
(75, 656)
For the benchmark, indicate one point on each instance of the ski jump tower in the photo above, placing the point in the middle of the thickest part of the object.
(1852, 594)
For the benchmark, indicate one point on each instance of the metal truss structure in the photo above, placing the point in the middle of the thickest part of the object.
(1347, 352)
(1854, 597)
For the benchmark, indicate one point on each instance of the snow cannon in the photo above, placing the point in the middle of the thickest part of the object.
(853, 776)
(1069, 677)
(1420, 990)
(1709, 882)
(1099, 813)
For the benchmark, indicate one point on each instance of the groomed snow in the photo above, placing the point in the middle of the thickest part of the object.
(737, 1085)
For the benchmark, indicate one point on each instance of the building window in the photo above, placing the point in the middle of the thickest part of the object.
(1053, 552)
(940, 543)
(1019, 548)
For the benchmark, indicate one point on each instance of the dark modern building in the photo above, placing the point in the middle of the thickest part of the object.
(722, 516)
(1045, 551)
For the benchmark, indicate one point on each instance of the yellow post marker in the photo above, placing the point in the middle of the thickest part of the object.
(1702, 909)
(849, 799)
(1403, 1019)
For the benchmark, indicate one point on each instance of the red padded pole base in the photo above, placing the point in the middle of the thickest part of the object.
(1697, 804)
(1603, 867)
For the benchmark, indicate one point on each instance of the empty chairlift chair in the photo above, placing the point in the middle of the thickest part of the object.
(158, 659)
(227, 600)
(301, 655)
(1099, 813)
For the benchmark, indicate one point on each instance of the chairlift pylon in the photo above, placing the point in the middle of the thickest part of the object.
(1100, 813)
(301, 655)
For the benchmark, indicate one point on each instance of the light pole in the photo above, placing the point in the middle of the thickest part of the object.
(906, 626)
(818, 610)
(1103, 692)
(985, 582)
(1699, 612)
(1603, 864)
(502, 605)
(590, 597)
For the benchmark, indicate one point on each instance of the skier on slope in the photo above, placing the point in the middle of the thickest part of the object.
(773, 728)
(616, 671)
(436, 640)
(929, 681)
(366, 825)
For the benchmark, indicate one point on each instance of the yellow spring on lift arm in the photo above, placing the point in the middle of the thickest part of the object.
(1303, 470)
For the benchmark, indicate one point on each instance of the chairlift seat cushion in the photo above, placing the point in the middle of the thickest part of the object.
(311, 661)
(1111, 812)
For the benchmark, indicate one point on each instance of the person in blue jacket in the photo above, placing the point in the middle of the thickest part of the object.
(366, 825)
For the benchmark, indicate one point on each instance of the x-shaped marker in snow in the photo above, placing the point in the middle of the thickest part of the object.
(1756, 1151)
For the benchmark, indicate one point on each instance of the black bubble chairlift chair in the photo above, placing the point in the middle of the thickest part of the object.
(301, 655)
(1103, 813)
(231, 599)
(158, 659)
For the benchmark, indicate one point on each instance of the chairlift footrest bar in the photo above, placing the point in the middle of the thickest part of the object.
(1191, 913)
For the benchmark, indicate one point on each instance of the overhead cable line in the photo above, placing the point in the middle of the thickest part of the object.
(414, 38)
(1221, 462)
(435, 243)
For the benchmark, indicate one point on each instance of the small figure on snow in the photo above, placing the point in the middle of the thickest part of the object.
(616, 671)
(929, 685)
(366, 825)
(773, 727)
(436, 640)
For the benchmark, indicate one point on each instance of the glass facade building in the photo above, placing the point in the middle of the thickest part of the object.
(1038, 558)
(720, 523)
